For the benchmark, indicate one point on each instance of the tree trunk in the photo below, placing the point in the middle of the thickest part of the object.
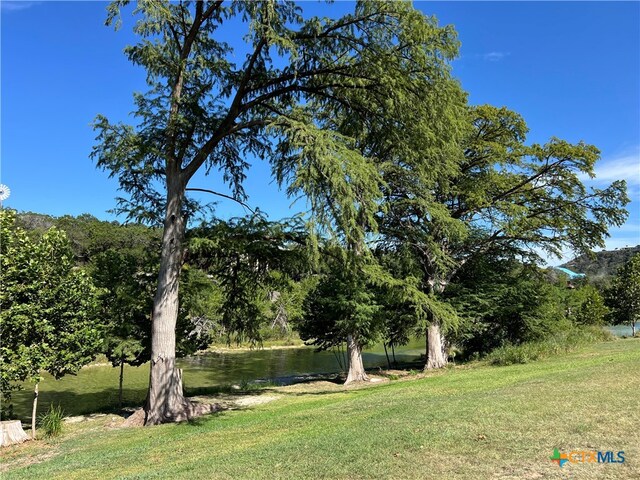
(633, 329)
(11, 432)
(436, 355)
(356, 367)
(436, 343)
(34, 411)
(384, 344)
(121, 378)
(165, 399)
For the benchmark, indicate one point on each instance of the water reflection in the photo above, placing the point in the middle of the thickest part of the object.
(95, 388)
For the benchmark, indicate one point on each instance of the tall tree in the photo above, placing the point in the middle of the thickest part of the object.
(342, 308)
(623, 295)
(48, 308)
(502, 194)
(203, 111)
(126, 279)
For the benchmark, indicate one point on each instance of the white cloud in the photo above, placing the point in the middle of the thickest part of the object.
(15, 5)
(495, 56)
(623, 167)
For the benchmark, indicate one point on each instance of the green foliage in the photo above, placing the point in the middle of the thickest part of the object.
(52, 421)
(258, 273)
(601, 266)
(407, 309)
(125, 298)
(500, 198)
(199, 318)
(341, 80)
(322, 99)
(525, 195)
(591, 309)
(505, 302)
(90, 237)
(623, 296)
(343, 303)
(48, 308)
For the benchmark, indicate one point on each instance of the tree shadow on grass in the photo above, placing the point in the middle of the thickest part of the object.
(75, 403)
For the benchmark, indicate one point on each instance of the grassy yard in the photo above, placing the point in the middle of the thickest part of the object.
(474, 421)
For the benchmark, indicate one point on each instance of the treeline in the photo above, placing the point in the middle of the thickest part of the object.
(74, 287)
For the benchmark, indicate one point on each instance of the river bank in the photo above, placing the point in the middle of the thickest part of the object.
(475, 421)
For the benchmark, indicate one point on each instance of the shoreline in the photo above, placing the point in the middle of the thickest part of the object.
(240, 349)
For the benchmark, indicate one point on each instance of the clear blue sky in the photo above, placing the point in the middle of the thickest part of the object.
(571, 69)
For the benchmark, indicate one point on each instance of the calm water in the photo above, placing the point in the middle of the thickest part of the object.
(622, 330)
(95, 388)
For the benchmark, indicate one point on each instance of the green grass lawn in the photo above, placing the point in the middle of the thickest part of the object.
(476, 421)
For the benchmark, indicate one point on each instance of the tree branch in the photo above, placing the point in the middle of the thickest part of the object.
(205, 190)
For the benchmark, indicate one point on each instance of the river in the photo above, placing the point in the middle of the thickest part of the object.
(95, 387)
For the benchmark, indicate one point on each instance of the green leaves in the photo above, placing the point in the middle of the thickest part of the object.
(257, 269)
(623, 296)
(48, 308)
(332, 86)
(341, 185)
(531, 196)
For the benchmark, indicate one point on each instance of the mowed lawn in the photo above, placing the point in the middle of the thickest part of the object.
(476, 422)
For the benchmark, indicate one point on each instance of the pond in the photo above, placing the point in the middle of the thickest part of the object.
(95, 387)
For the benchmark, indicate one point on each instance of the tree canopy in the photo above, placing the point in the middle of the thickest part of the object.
(501, 195)
(48, 308)
(623, 295)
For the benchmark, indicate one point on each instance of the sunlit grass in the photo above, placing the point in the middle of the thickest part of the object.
(479, 422)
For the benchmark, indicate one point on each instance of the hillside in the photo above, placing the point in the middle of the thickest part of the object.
(603, 264)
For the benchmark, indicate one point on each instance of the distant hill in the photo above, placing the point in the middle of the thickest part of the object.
(604, 264)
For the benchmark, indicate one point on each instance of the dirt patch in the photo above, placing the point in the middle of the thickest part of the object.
(84, 418)
(253, 400)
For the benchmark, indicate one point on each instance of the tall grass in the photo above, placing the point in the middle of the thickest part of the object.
(51, 422)
(558, 343)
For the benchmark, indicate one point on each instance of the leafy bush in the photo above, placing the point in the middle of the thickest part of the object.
(590, 308)
(51, 422)
(559, 343)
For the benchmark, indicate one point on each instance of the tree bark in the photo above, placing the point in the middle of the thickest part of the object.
(165, 399)
(436, 343)
(121, 378)
(11, 432)
(384, 344)
(356, 367)
(633, 329)
(436, 352)
(34, 411)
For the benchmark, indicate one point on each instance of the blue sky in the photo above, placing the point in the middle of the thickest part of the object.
(572, 69)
